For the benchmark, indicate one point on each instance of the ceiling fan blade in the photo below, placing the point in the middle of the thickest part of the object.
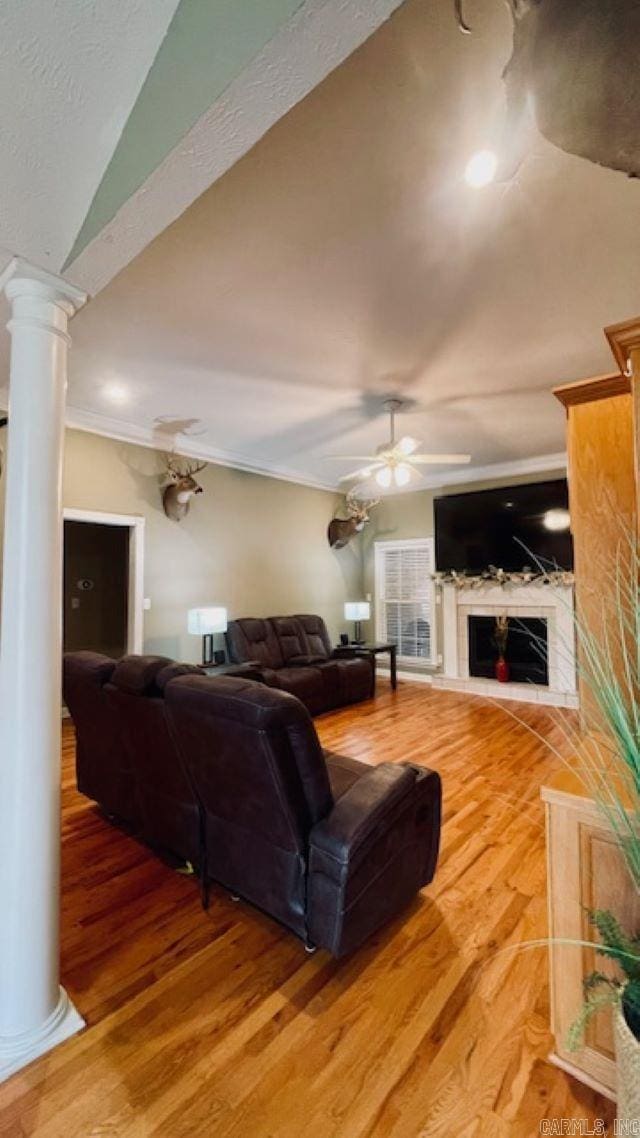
(364, 472)
(435, 459)
(406, 445)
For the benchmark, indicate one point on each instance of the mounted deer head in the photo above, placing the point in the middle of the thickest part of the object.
(341, 530)
(177, 495)
(573, 70)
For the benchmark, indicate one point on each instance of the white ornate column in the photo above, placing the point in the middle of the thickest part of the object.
(35, 1012)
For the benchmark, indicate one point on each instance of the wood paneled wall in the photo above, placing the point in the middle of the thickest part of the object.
(602, 496)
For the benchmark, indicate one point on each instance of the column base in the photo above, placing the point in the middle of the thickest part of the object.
(18, 1051)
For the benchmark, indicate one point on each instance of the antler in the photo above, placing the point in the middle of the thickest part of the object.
(462, 24)
(368, 503)
(191, 470)
(359, 505)
(178, 471)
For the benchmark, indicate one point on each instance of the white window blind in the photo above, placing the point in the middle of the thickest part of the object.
(405, 597)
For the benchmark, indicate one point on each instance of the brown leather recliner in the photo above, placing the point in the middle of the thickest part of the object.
(168, 813)
(103, 766)
(332, 865)
(295, 654)
(126, 760)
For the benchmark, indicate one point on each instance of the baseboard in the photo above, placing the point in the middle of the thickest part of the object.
(415, 677)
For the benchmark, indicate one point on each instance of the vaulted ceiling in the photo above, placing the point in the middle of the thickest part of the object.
(70, 75)
(344, 259)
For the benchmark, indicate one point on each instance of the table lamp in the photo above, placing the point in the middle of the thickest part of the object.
(357, 611)
(205, 622)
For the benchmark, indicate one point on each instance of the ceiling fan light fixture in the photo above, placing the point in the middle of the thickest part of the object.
(383, 477)
(402, 474)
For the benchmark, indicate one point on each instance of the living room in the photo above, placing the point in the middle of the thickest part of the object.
(318, 499)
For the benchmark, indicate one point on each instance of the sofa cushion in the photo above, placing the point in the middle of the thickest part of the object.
(306, 684)
(252, 639)
(291, 638)
(137, 674)
(316, 635)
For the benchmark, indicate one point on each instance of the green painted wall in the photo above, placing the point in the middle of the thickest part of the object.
(252, 543)
(209, 42)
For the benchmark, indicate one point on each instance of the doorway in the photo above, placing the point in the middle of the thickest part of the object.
(103, 583)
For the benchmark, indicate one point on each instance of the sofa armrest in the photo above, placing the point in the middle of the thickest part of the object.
(365, 809)
(372, 853)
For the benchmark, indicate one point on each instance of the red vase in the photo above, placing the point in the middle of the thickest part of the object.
(502, 670)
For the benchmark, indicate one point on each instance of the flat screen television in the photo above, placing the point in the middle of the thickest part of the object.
(499, 527)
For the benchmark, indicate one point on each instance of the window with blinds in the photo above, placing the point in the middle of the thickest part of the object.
(405, 597)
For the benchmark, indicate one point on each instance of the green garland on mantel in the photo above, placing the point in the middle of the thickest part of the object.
(506, 580)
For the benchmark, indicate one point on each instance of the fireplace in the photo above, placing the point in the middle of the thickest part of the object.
(526, 652)
(537, 612)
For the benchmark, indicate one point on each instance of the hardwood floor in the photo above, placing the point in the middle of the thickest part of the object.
(219, 1023)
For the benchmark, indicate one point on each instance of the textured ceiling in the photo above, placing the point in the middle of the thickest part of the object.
(69, 76)
(345, 259)
(207, 44)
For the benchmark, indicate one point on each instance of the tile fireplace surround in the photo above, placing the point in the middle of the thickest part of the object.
(553, 603)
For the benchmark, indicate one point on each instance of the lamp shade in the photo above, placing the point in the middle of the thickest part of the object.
(205, 621)
(357, 610)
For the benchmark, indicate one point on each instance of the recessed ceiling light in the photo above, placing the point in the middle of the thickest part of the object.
(116, 392)
(556, 520)
(481, 169)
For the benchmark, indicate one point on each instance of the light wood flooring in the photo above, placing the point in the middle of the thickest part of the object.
(219, 1024)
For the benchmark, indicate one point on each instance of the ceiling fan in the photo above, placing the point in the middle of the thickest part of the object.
(396, 462)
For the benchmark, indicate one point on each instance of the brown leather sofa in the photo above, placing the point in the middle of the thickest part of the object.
(230, 773)
(294, 653)
(126, 759)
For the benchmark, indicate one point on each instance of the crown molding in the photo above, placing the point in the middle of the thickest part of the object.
(82, 420)
(589, 390)
(623, 338)
(96, 424)
(537, 464)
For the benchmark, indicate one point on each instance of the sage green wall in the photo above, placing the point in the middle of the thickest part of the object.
(254, 544)
(209, 42)
(411, 515)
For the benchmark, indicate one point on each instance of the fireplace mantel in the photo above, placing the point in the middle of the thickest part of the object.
(553, 603)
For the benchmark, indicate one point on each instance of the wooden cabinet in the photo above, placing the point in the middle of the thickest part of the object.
(601, 430)
(585, 867)
(585, 871)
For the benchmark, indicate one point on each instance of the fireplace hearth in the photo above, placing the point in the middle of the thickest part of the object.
(526, 652)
